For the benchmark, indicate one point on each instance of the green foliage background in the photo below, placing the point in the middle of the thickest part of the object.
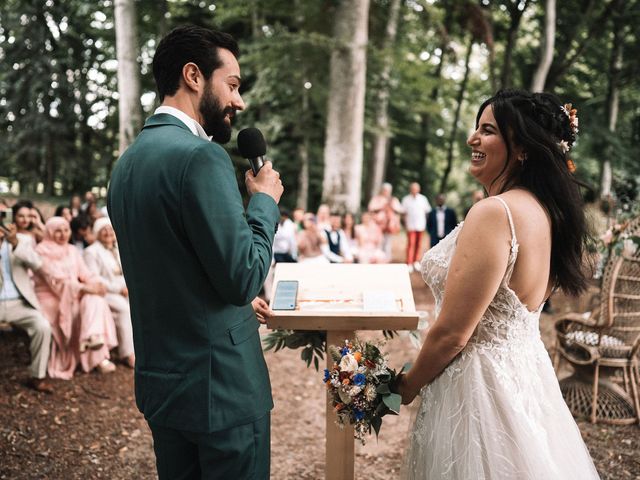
(58, 88)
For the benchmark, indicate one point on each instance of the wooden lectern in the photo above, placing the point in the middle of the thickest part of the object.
(333, 297)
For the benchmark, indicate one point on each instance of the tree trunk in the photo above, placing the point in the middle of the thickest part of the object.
(381, 139)
(516, 16)
(613, 100)
(546, 57)
(342, 181)
(425, 118)
(563, 61)
(51, 167)
(130, 109)
(456, 118)
(303, 150)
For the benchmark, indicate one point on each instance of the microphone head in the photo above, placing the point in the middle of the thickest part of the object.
(251, 143)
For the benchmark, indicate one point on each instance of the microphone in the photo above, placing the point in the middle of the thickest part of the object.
(252, 147)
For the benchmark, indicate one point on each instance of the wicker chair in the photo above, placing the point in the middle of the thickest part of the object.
(603, 349)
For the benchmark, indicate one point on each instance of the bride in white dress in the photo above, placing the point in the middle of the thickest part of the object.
(490, 405)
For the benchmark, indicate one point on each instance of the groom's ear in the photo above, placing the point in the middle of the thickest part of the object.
(192, 78)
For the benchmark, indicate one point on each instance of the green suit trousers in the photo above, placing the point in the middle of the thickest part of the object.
(238, 453)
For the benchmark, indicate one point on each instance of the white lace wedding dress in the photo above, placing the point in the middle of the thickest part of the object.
(496, 412)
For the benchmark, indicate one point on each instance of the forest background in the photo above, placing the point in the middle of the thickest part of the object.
(347, 93)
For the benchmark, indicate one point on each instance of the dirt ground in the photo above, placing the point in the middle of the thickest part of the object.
(90, 427)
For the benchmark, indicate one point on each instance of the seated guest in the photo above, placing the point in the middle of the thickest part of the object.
(285, 245)
(75, 205)
(298, 217)
(103, 258)
(349, 228)
(339, 250)
(64, 212)
(370, 241)
(18, 302)
(311, 242)
(322, 217)
(72, 299)
(81, 232)
(28, 220)
(93, 212)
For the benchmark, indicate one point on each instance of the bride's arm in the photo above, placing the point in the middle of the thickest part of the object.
(475, 273)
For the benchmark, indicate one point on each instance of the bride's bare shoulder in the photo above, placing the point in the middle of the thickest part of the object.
(524, 205)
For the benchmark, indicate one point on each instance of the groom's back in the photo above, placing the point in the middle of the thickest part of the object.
(198, 356)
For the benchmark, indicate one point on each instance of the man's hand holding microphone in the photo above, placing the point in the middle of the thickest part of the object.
(262, 177)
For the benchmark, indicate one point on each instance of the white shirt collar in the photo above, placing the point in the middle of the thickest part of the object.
(194, 126)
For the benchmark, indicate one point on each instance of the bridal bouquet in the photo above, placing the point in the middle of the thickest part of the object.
(359, 387)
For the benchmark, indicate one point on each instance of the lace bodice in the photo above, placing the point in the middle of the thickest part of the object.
(507, 322)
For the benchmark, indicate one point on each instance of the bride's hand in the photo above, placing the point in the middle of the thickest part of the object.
(403, 388)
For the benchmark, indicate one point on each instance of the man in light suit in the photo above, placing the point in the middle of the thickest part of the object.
(19, 304)
(194, 260)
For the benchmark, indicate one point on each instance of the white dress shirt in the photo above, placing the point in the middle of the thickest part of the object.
(440, 220)
(416, 210)
(194, 126)
(9, 290)
(285, 240)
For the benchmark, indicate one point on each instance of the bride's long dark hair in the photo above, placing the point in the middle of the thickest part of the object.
(537, 123)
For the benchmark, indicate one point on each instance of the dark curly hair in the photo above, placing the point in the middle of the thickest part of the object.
(184, 44)
(536, 123)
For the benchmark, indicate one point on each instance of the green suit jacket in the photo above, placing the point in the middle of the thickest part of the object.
(193, 260)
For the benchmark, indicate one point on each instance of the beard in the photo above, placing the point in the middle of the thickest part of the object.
(213, 115)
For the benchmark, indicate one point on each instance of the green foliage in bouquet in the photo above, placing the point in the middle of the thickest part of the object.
(312, 342)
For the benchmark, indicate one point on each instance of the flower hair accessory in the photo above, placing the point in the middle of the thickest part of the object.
(565, 145)
(572, 115)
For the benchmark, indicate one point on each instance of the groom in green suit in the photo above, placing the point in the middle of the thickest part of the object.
(194, 260)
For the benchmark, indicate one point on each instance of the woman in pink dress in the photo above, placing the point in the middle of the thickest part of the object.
(370, 241)
(72, 299)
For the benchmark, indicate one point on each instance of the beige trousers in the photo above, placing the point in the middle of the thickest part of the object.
(121, 313)
(22, 315)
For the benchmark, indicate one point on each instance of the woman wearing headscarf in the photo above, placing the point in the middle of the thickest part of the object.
(103, 258)
(72, 299)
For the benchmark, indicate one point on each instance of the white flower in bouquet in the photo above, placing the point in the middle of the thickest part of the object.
(344, 396)
(348, 363)
(629, 247)
(370, 393)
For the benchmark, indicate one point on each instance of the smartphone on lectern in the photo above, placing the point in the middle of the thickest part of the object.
(286, 295)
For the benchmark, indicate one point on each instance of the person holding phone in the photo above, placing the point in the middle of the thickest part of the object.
(28, 220)
(18, 302)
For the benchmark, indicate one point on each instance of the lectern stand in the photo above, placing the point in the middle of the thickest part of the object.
(332, 298)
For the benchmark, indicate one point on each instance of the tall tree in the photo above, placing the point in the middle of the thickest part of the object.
(426, 117)
(303, 150)
(516, 11)
(547, 46)
(613, 93)
(130, 109)
(341, 186)
(580, 27)
(473, 20)
(381, 138)
(456, 119)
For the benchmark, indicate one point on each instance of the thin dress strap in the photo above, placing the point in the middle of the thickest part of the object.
(514, 241)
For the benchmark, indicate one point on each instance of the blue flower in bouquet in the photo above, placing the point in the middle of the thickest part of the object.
(359, 379)
(327, 374)
(344, 351)
(358, 414)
